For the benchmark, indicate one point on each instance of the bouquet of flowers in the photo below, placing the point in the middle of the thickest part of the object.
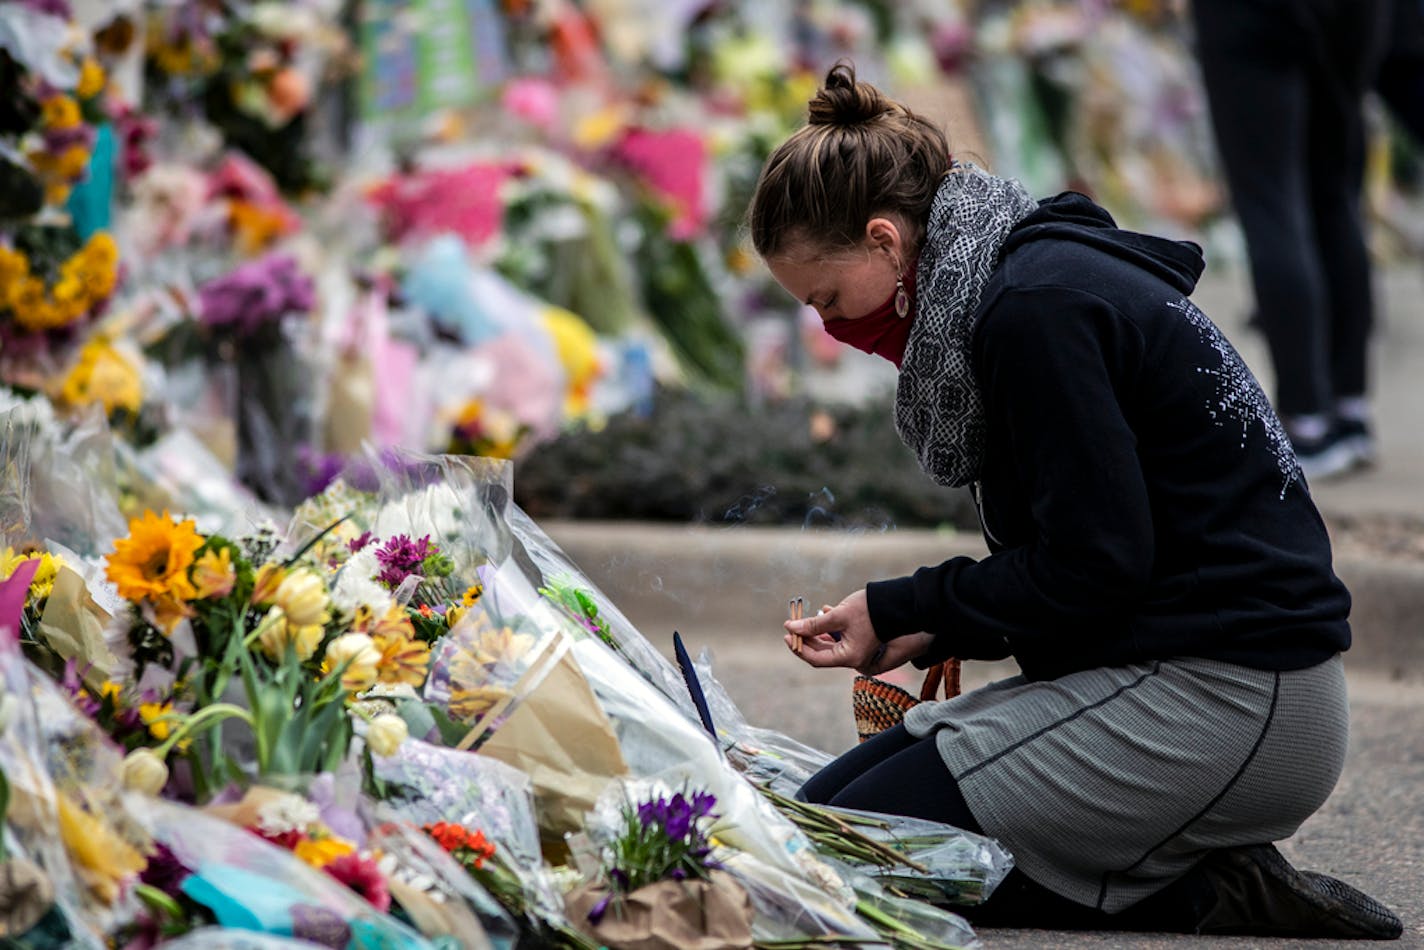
(658, 886)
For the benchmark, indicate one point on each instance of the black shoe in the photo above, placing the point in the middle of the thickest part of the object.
(1356, 435)
(1258, 892)
(1325, 457)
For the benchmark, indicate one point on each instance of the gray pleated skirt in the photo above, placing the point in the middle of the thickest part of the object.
(1108, 784)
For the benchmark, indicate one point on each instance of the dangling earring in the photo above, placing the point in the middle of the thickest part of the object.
(902, 297)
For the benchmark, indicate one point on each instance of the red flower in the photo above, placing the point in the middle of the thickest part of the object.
(470, 849)
(288, 839)
(479, 848)
(362, 876)
(449, 836)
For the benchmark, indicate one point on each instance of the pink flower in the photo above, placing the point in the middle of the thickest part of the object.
(534, 100)
(674, 165)
(462, 201)
(240, 178)
(362, 876)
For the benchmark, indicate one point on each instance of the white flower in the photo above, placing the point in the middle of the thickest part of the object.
(287, 813)
(143, 771)
(355, 586)
(386, 733)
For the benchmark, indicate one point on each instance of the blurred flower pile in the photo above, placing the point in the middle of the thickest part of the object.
(398, 715)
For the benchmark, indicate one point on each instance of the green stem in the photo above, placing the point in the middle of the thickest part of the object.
(222, 710)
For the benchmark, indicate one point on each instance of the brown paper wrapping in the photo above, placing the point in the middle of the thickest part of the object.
(449, 919)
(562, 739)
(715, 914)
(73, 626)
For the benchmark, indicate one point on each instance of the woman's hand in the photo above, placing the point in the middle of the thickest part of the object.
(843, 636)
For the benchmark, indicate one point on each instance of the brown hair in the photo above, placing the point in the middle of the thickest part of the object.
(860, 154)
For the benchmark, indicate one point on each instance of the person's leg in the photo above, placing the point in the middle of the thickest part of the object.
(1257, 92)
(849, 766)
(1350, 35)
(895, 773)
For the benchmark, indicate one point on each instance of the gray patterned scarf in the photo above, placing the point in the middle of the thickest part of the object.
(939, 411)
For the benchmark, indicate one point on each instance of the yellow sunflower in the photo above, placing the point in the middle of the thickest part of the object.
(152, 562)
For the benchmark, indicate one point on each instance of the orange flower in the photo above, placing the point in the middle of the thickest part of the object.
(404, 659)
(153, 561)
(269, 578)
(465, 846)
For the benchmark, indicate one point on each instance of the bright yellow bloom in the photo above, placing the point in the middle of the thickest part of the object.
(213, 574)
(454, 614)
(319, 852)
(91, 79)
(14, 265)
(59, 112)
(403, 659)
(101, 250)
(104, 860)
(42, 584)
(162, 721)
(303, 598)
(472, 594)
(102, 374)
(359, 652)
(153, 561)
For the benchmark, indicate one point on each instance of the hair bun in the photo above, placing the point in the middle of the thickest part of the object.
(844, 101)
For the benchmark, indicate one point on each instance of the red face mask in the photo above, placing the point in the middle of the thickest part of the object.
(881, 331)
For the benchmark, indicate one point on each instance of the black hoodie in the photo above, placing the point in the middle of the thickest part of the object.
(1139, 496)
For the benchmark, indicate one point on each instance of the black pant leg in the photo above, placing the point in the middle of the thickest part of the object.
(1352, 38)
(1401, 74)
(1254, 70)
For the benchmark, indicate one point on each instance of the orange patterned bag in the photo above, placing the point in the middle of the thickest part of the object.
(878, 705)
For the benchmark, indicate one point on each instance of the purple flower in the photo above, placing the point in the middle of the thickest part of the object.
(679, 874)
(356, 544)
(679, 818)
(400, 557)
(164, 871)
(59, 8)
(58, 140)
(596, 912)
(256, 294)
(653, 813)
